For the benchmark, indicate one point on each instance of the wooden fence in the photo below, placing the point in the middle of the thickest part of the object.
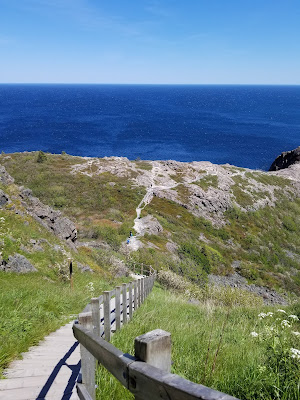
(106, 314)
(147, 373)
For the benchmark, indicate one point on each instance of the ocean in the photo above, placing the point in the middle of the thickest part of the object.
(247, 126)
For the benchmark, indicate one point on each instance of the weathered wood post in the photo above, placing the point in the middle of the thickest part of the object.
(142, 290)
(139, 292)
(147, 286)
(154, 348)
(124, 300)
(106, 306)
(130, 300)
(88, 362)
(95, 303)
(118, 308)
(135, 295)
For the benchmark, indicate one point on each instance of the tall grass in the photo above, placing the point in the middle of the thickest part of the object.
(210, 345)
(32, 305)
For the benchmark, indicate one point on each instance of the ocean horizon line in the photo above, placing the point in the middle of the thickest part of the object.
(151, 84)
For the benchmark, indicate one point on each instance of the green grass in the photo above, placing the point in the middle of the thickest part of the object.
(207, 181)
(143, 165)
(97, 205)
(195, 328)
(32, 305)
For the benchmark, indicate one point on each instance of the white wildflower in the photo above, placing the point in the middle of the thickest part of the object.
(262, 315)
(269, 314)
(295, 353)
(282, 311)
(285, 324)
(2, 219)
(293, 317)
(296, 333)
(254, 334)
(90, 287)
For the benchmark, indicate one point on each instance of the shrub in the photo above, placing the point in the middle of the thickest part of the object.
(197, 254)
(41, 157)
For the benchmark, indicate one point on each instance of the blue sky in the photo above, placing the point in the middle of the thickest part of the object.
(150, 41)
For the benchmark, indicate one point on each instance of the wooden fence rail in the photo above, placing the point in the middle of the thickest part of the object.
(145, 381)
(147, 373)
(108, 313)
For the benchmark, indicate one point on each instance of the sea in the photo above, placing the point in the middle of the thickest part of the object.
(246, 126)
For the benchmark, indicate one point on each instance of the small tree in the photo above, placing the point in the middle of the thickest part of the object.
(41, 157)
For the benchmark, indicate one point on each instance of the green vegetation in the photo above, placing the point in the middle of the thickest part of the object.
(33, 304)
(245, 366)
(207, 181)
(41, 157)
(260, 239)
(268, 179)
(143, 165)
(265, 243)
(102, 205)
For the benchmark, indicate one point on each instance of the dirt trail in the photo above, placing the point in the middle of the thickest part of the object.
(157, 172)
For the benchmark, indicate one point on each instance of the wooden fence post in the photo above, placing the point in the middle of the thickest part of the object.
(96, 315)
(139, 292)
(118, 308)
(106, 306)
(154, 348)
(130, 300)
(142, 269)
(124, 300)
(135, 295)
(143, 290)
(88, 362)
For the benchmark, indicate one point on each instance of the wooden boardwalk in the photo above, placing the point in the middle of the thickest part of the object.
(47, 371)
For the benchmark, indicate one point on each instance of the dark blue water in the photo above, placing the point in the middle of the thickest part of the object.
(247, 126)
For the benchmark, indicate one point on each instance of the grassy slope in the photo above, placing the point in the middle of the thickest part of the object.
(34, 300)
(261, 240)
(34, 304)
(243, 367)
(101, 210)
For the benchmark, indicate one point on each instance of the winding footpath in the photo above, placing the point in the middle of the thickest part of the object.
(157, 171)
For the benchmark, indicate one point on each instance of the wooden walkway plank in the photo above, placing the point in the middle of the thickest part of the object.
(49, 371)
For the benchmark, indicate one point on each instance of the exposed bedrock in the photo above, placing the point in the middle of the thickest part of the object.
(17, 263)
(51, 219)
(286, 159)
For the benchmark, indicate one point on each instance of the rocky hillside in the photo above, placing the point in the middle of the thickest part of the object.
(228, 225)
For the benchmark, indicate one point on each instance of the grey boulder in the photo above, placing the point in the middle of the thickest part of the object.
(17, 263)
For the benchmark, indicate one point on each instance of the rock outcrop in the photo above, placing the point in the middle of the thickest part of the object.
(5, 178)
(51, 219)
(4, 199)
(286, 159)
(150, 225)
(237, 281)
(17, 263)
(61, 226)
(84, 268)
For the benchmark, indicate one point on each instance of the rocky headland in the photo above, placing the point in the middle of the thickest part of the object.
(178, 202)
